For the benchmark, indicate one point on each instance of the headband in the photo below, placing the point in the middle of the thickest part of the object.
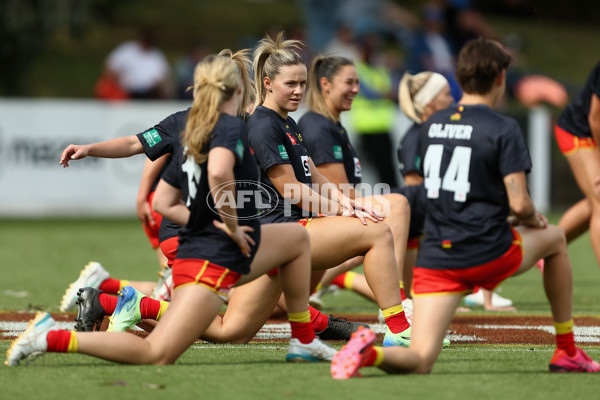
(430, 89)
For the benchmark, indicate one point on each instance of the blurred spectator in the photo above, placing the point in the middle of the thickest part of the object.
(324, 18)
(464, 23)
(343, 44)
(184, 70)
(321, 19)
(373, 113)
(431, 48)
(139, 68)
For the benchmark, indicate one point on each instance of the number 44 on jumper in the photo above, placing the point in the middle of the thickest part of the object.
(456, 177)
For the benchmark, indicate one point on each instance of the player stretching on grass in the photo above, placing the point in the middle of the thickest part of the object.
(420, 96)
(244, 315)
(350, 229)
(333, 85)
(215, 252)
(474, 162)
(577, 133)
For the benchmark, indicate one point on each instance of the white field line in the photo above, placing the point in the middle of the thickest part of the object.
(586, 334)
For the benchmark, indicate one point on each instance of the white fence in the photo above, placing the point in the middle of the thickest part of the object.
(33, 134)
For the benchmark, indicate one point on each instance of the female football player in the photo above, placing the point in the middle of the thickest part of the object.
(474, 162)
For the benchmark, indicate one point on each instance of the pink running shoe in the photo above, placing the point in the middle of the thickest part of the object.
(349, 359)
(580, 362)
(540, 265)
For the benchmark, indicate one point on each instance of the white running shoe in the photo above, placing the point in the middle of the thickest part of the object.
(310, 352)
(164, 285)
(32, 342)
(92, 275)
(316, 299)
(476, 299)
(407, 304)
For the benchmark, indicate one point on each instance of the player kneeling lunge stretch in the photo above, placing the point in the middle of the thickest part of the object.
(333, 221)
(217, 250)
(473, 183)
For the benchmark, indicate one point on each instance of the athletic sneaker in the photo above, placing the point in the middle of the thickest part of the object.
(162, 289)
(92, 275)
(128, 311)
(316, 299)
(348, 360)
(476, 299)
(339, 329)
(311, 352)
(407, 305)
(580, 362)
(31, 343)
(90, 313)
(403, 339)
(397, 339)
(540, 265)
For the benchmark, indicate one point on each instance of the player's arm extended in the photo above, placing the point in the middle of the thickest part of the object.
(121, 147)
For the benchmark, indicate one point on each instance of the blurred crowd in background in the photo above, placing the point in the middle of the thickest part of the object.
(376, 33)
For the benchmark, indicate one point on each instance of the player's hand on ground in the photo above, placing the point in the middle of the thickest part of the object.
(73, 152)
(240, 236)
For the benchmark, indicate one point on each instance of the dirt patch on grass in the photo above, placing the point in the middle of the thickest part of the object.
(481, 329)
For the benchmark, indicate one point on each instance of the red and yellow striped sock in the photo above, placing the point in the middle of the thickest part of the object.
(395, 319)
(318, 320)
(345, 280)
(112, 286)
(373, 357)
(564, 337)
(301, 326)
(62, 341)
(152, 309)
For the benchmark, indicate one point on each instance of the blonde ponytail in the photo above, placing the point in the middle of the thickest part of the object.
(244, 63)
(216, 78)
(415, 92)
(269, 57)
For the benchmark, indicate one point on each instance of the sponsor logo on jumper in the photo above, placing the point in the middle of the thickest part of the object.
(239, 149)
(305, 165)
(337, 152)
(292, 139)
(152, 137)
(283, 152)
(357, 169)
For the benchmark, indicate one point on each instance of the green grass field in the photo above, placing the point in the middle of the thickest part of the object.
(40, 257)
